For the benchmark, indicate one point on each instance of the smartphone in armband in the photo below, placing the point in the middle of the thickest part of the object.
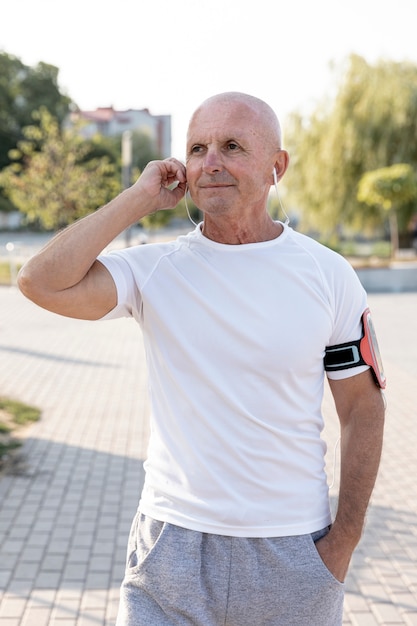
(363, 351)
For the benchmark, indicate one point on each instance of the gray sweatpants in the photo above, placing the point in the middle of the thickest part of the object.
(180, 577)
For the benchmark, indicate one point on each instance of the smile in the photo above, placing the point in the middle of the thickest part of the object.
(215, 186)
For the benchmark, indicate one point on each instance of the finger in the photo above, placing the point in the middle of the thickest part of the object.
(178, 191)
(175, 169)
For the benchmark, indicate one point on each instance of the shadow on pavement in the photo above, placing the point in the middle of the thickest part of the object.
(65, 516)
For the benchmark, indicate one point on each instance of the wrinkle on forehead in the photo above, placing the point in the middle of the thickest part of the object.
(261, 115)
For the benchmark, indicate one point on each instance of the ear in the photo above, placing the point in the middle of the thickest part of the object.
(282, 159)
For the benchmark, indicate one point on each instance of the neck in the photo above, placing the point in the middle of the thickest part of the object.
(236, 232)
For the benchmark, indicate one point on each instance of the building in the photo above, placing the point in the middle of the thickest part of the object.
(110, 123)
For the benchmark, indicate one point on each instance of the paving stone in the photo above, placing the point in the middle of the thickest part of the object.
(65, 610)
(355, 602)
(12, 607)
(386, 613)
(363, 619)
(36, 615)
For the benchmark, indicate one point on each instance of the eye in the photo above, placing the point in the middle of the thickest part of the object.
(196, 149)
(232, 145)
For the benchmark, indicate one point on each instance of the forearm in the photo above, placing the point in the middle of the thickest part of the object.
(361, 446)
(67, 258)
(361, 410)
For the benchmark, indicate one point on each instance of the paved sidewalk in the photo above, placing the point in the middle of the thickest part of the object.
(65, 511)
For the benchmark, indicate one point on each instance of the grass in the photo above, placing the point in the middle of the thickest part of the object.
(20, 413)
(13, 416)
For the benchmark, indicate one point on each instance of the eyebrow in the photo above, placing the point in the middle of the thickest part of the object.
(226, 139)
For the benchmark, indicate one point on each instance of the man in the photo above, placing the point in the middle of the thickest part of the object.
(233, 525)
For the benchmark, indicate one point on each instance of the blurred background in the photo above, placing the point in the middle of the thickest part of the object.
(89, 93)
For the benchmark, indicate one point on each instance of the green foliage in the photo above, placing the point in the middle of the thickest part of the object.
(5, 205)
(24, 89)
(54, 181)
(388, 187)
(371, 123)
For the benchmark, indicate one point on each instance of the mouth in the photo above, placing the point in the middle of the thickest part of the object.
(215, 186)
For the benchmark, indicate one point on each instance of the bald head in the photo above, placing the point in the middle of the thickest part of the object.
(260, 113)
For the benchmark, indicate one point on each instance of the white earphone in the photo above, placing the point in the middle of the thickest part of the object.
(275, 176)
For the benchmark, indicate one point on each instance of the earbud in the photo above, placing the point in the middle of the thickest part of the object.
(275, 176)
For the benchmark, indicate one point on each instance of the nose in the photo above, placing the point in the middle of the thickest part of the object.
(212, 162)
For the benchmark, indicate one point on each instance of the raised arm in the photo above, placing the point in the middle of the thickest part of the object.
(65, 277)
(361, 411)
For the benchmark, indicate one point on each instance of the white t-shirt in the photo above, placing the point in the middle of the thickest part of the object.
(235, 338)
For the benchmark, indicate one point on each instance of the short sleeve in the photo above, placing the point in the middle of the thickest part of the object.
(350, 301)
(128, 295)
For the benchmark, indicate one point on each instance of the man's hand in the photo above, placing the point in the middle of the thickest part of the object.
(335, 554)
(161, 185)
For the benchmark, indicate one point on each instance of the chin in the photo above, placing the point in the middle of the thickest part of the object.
(215, 207)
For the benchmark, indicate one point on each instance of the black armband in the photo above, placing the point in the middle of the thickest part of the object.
(364, 351)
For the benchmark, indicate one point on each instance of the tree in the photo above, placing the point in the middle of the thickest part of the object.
(24, 89)
(390, 189)
(53, 181)
(370, 123)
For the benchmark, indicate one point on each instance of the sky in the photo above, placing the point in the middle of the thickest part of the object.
(169, 55)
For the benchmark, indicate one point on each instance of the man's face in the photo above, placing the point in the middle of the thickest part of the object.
(229, 159)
